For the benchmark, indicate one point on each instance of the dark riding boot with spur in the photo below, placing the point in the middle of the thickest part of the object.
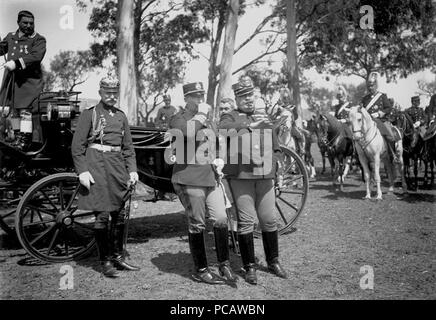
(119, 259)
(221, 235)
(271, 247)
(246, 246)
(107, 267)
(198, 251)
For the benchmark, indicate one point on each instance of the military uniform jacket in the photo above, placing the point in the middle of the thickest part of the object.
(381, 104)
(416, 113)
(109, 169)
(165, 114)
(430, 111)
(341, 111)
(27, 53)
(243, 170)
(200, 175)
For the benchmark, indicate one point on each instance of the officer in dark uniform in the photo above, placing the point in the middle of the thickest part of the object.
(252, 180)
(416, 114)
(379, 107)
(104, 158)
(22, 81)
(198, 190)
(342, 109)
(165, 113)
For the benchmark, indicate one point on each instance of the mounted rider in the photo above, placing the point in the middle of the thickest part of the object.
(417, 115)
(379, 107)
(22, 80)
(430, 117)
(342, 110)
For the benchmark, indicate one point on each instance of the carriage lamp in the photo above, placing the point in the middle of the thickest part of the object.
(60, 111)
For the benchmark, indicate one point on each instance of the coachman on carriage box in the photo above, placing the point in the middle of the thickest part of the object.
(22, 80)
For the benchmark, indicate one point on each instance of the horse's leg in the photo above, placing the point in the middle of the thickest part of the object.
(347, 167)
(415, 172)
(341, 172)
(367, 178)
(377, 176)
(323, 161)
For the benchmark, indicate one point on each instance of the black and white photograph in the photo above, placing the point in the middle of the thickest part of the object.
(228, 152)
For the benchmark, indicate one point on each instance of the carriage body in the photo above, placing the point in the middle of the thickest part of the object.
(39, 196)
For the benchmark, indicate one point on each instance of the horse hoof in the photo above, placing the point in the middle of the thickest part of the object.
(366, 198)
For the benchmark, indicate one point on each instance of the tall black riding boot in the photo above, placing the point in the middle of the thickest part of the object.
(271, 247)
(221, 235)
(246, 246)
(198, 251)
(119, 259)
(102, 240)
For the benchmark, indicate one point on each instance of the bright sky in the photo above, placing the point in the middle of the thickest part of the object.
(49, 14)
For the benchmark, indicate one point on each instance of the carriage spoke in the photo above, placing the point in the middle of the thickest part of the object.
(281, 214)
(42, 235)
(61, 195)
(85, 214)
(29, 206)
(53, 240)
(49, 200)
(38, 223)
(8, 214)
(70, 203)
(289, 204)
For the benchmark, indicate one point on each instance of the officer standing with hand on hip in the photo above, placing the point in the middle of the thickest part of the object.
(252, 183)
(105, 160)
(197, 187)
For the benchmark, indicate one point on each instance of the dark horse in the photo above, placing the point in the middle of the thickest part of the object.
(413, 144)
(339, 144)
(312, 128)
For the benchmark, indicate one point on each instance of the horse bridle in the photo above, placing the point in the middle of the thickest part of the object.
(359, 140)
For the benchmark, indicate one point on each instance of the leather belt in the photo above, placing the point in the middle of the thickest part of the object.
(105, 148)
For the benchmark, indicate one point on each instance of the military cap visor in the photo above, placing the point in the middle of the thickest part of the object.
(415, 98)
(241, 90)
(195, 88)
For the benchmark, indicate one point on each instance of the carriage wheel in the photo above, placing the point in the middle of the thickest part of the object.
(291, 193)
(48, 223)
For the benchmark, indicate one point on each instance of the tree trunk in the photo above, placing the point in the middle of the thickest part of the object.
(293, 78)
(213, 70)
(225, 84)
(126, 60)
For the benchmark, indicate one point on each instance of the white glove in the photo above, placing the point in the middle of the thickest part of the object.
(343, 120)
(10, 65)
(86, 179)
(133, 177)
(219, 165)
(375, 115)
(417, 124)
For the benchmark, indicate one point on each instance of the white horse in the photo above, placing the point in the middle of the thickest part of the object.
(371, 148)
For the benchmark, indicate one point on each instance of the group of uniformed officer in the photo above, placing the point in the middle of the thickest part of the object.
(379, 107)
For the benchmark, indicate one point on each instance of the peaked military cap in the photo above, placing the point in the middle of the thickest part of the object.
(243, 87)
(415, 98)
(109, 82)
(194, 87)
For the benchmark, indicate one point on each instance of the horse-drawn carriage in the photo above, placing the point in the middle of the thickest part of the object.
(38, 194)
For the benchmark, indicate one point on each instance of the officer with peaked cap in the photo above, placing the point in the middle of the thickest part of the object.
(251, 181)
(105, 161)
(198, 189)
(22, 80)
(416, 113)
(379, 107)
